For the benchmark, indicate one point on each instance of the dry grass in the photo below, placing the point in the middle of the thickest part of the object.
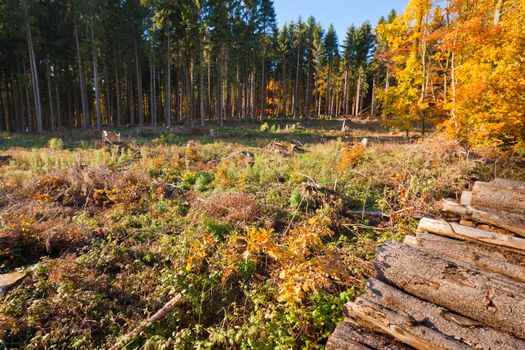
(234, 208)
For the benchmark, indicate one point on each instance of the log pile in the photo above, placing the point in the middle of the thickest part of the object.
(458, 284)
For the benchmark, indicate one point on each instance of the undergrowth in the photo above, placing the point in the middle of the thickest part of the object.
(266, 247)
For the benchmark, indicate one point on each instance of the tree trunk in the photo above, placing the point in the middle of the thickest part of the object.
(95, 77)
(59, 116)
(358, 95)
(219, 88)
(167, 114)
(308, 91)
(140, 95)
(350, 337)
(453, 230)
(481, 256)
(424, 325)
(512, 222)
(329, 90)
(296, 103)
(34, 74)
(117, 89)
(201, 85)
(29, 121)
(50, 94)
(494, 300)
(263, 85)
(131, 98)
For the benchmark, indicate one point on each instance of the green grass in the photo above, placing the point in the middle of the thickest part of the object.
(132, 229)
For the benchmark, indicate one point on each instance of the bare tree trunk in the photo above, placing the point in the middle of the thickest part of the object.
(201, 84)
(263, 85)
(220, 106)
(167, 114)
(140, 95)
(308, 97)
(329, 90)
(117, 89)
(345, 93)
(497, 12)
(131, 98)
(34, 74)
(296, 105)
(29, 121)
(358, 94)
(107, 99)
(59, 116)
(95, 77)
(50, 94)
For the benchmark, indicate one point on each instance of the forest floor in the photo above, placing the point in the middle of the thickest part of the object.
(267, 231)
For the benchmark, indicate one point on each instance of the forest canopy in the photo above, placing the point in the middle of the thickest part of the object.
(76, 63)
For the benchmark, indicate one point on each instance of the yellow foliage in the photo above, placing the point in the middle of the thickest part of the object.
(301, 262)
(468, 64)
(351, 156)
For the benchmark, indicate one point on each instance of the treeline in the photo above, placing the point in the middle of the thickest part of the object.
(459, 63)
(91, 63)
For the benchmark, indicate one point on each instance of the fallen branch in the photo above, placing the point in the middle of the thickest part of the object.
(121, 343)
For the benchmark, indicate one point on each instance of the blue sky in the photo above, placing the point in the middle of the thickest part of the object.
(341, 13)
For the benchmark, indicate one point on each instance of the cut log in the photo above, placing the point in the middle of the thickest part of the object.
(402, 327)
(481, 256)
(511, 222)
(495, 300)
(453, 230)
(497, 197)
(350, 337)
(510, 183)
(430, 324)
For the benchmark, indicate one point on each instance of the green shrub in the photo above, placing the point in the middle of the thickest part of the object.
(188, 180)
(204, 181)
(296, 198)
(56, 143)
(265, 127)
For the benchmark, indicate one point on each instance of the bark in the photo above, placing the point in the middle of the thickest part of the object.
(167, 114)
(117, 89)
(510, 183)
(140, 95)
(350, 337)
(201, 85)
(424, 325)
(494, 300)
(481, 256)
(131, 98)
(50, 94)
(263, 83)
(296, 106)
(308, 92)
(59, 116)
(497, 197)
(512, 222)
(95, 77)
(453, 230)
(34, 74)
